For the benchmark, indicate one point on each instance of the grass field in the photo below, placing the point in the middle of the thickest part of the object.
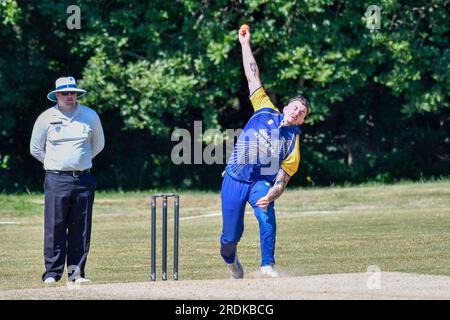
(402, 228)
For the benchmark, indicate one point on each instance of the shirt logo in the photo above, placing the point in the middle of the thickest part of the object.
(57, 125)
(270, 121)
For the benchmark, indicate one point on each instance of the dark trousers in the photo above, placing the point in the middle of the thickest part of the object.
(68, 221)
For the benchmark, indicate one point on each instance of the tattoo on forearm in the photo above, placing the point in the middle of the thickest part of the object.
(254, 68)
(276, 191)
(278, 187)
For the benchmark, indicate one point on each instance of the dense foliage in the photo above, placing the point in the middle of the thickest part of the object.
(380, 98)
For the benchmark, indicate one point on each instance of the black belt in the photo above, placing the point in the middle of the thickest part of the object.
(70, 173)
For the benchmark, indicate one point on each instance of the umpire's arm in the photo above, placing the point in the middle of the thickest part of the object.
(98, 137)
(38, 139)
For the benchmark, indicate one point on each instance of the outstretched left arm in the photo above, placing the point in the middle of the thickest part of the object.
(275, 192)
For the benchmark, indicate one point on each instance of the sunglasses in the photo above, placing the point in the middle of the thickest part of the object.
(66, 93)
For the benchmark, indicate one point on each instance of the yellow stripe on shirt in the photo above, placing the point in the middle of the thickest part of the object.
(260, 100)
(291, 163)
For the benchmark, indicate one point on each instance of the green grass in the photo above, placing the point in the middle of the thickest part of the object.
(400, 228)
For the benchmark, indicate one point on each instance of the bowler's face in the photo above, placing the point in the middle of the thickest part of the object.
(294, 113)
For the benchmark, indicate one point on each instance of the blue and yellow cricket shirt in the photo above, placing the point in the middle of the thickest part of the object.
(265, 145)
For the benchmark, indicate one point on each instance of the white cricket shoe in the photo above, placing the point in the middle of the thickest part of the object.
(81, 280)
(235, 268)
(268, 271)
(50, 280)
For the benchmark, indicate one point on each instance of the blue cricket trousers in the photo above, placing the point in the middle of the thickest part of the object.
(68, 220)
(235, 195)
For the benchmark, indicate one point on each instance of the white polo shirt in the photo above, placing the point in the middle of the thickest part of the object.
(67, 144)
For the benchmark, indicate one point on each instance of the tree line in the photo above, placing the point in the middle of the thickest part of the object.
(379, 97)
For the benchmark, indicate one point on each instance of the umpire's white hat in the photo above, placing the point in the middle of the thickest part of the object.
(65, 84)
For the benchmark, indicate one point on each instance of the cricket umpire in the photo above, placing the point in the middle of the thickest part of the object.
(265, 157)
(65, 138)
